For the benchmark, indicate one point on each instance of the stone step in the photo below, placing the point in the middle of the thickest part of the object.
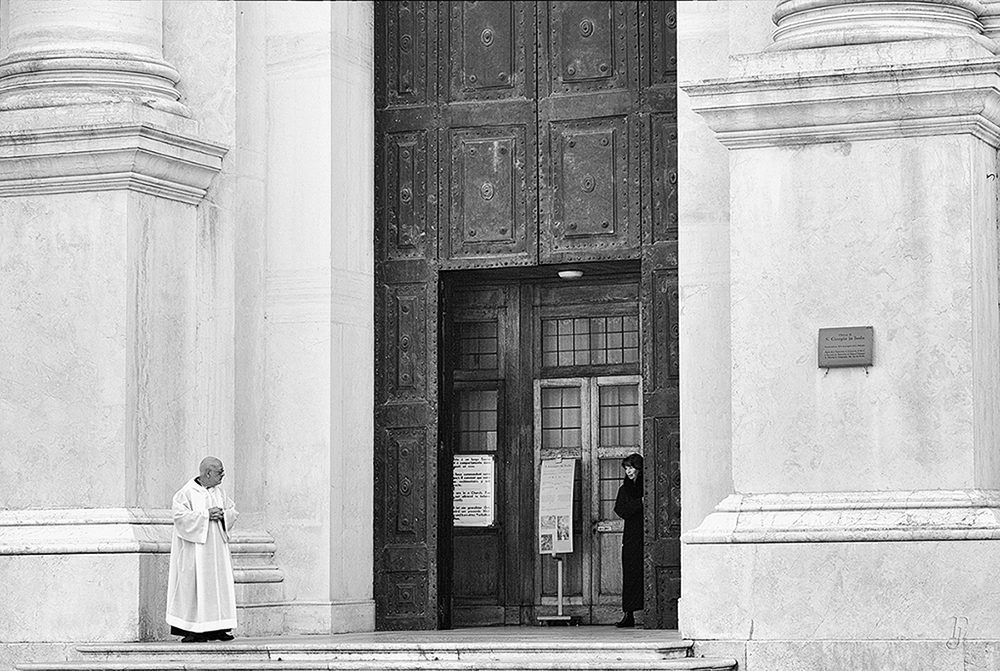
(194, 663)
(369, 650)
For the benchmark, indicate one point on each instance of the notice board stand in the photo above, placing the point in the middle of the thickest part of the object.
(559, 618)
(555, 508)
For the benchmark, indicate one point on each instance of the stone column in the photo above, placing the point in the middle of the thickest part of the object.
(101, 178)
(863, 177)
(87, 51)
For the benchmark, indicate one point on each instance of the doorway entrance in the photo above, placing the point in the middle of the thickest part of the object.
(596, 422)
(533, 369)
(513, 140)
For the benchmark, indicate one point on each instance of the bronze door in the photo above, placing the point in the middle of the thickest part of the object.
(513, 137)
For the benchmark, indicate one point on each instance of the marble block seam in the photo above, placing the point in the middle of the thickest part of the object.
(852, 517)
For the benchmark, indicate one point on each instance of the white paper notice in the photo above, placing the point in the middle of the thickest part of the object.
(555, 506)
(473, 490)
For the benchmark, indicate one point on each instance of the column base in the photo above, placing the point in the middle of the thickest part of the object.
(817, 592)
(899, 655)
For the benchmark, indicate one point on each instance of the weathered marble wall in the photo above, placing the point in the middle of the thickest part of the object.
(904, 266)
(147, 322)
(318, 298)
(707, 34)
(63, 352)
(861, 191)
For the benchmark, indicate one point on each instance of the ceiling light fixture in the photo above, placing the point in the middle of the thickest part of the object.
(571, 274)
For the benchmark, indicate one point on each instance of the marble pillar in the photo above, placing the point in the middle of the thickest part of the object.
(316, 327)
(862, 192)
(103, 408)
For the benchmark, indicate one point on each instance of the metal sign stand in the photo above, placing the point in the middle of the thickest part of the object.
(559, 618)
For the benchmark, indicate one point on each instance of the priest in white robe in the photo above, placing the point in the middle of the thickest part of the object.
(201, 596)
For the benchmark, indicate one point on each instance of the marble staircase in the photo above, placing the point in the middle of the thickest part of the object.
(534, 650)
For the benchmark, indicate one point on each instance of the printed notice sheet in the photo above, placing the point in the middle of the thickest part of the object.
(555, 506)
(474, 483)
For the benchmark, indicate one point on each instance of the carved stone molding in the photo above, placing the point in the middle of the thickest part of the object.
(72, 53)
(122, 151)
(902, 89)
(808, 24)
(124, 531)
(852, 517)
(46, 79)
(990, 19)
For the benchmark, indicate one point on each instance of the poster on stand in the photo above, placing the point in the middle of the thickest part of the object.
(555, 506)
(474, 494)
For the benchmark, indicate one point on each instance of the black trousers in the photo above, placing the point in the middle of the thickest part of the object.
(632, 587)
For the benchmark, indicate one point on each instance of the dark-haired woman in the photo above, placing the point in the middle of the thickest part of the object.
(628, 506)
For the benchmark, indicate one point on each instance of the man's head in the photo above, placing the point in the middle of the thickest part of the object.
(211, 472)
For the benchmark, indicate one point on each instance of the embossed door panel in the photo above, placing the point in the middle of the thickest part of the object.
(406, 306)
(589, 153)
(491, 201)
(406, 74)
(593, 201)
(491, 51)
(661, 179)
(409, 197)
(589, 46)
(659, 26)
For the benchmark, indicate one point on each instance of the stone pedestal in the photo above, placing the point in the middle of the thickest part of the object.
(102, 408)
(863, 193)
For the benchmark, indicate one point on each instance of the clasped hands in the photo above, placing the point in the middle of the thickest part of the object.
(215, 513)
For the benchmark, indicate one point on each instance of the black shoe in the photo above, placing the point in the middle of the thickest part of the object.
(193, 638)
(224, 636)
(627, 621)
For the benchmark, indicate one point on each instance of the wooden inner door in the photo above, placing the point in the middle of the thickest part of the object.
(596, 422)
(532, 369)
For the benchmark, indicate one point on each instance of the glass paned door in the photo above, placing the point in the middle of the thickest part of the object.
(616, 421)
(562, 429)
(596, 421)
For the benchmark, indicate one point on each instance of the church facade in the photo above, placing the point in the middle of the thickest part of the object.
(354, 248)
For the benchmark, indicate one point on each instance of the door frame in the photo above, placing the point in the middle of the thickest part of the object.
(598, 601)
(590, 603)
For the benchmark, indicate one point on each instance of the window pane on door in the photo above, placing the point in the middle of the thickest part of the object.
(561, 418)
(477, 420)
(619, 416)
(478, 345)
(610, 479)
(590, 341)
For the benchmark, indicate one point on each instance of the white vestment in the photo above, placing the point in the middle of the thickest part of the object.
(201, 596)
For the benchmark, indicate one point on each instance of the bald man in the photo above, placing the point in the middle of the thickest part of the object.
(201, 597)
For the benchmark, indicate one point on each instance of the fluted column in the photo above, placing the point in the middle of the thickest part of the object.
(86, 51)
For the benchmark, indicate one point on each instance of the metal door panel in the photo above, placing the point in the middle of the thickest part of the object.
(589, 152)
(492, 195)
(488, 112)
(406, 306)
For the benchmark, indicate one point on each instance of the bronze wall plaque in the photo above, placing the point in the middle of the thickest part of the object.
(846, 346)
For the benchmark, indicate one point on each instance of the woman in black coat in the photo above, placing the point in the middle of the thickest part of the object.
(628, 506)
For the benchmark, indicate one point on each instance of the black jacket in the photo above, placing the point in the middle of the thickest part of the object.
(628, 506)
